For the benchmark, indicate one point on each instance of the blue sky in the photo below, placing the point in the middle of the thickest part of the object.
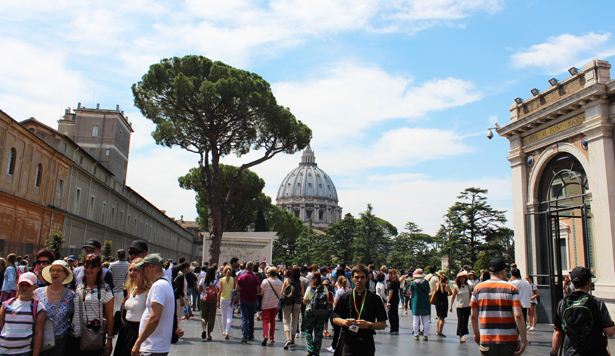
(398, 93)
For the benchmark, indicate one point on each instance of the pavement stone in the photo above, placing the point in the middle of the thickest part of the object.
(402, 344)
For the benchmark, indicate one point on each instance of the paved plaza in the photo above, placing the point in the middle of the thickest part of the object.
(402, 344)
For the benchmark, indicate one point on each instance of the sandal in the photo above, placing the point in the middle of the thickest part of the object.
(462, 339)
(226, 337)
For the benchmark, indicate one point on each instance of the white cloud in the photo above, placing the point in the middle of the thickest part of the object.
(350, 99)
(559, 53)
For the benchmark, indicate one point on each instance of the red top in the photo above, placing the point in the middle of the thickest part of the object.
(248, 282)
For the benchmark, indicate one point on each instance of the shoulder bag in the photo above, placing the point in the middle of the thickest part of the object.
(49, 339)
(91, 340)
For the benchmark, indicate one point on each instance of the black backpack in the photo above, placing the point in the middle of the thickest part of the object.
(320, 301)
(578, 322)
(291, 294)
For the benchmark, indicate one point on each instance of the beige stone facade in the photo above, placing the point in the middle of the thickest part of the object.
(247, 246)
(563, 167)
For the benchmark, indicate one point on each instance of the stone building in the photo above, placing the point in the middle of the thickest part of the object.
(308, 193)
(85, 198)
(563, 162)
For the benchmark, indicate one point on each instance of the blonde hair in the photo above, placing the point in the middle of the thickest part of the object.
(341, 280)
(130, 285)
(227, 271)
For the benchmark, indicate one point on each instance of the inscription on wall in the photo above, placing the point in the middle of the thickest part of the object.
(552, 130)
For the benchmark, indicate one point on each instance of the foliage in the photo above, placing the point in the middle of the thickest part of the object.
(248, 198)
(288, 228)
(106, 250)
(482, 262)
(342, 235)
(55, 242)
(372, 243)
(213, 110)
(313, 247)
(470, 227)
(412, 248)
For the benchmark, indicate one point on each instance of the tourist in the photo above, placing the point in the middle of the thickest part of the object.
(305, 283)
(119, 270)
(498, 336)
(137, 249)
(209, 300)
(44, 258)
(359, 313)
(472, 279)
(341, 288)
(271, 290)
(568, 286)
(58, 302)
(292, 300)
(132, 309)
(327, 284)
(393, 301)
(421, 308)
(315, 320)
(192, 292)
(381, 288)
(582, 336)
(92, 247)
(532, 318)
(443, 290)
(248, 287)
(20, 334)
(225, 302)
(463, 293)
(524, 288)
(93, 303)
(2, 270)
(156, 324)
(405, 282)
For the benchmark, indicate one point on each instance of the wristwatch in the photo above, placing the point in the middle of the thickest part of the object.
(369, 326)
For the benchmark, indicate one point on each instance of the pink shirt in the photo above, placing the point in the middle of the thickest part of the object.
(248, 282)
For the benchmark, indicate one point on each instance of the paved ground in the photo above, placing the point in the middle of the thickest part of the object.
(386, 344)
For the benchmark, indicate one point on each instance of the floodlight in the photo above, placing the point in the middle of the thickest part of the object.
(573, 71)
(518, 101)
(535, 91)
(553, 82)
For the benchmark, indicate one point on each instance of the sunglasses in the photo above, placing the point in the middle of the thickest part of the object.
(133, 252)
(43, 262)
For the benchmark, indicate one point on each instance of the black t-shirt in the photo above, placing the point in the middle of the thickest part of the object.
(191, 280)
(394, 286)
(602, 319)
(372, 311)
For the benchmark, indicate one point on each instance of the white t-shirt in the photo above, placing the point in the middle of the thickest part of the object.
(168, 274)
(159, 341)
(525, 291)
(135, 306)
(202, 285)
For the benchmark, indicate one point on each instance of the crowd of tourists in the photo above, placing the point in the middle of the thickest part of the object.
(71, 307)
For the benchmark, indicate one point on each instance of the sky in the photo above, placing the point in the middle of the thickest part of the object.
(399, 94)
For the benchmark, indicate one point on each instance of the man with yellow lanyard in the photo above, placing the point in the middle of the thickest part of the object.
(359, 312)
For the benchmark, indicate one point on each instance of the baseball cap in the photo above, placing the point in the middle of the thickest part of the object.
(580, 274)
(139, 245)
(93, 243)
(28, 277)
(151, 259)
(497, 264)
(71, 258)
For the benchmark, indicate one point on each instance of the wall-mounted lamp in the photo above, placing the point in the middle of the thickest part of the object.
(518, 101)
(553, 82)
(573, 71)
(535, 91)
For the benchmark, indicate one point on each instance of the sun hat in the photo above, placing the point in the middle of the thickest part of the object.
(461, 274)
(418, 273)
(47, 271)
(28, 277)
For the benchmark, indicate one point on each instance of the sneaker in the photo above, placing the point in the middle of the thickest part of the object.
(331, 349)
(203, 335)
(416, 337)
(326, 334)
(286, 345)
(532, 328)
(244, 341)
(425, 338)
(406, 312)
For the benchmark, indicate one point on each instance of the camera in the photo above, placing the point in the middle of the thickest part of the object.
(94, 325)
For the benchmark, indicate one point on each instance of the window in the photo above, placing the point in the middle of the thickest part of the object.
(94, 170)
(91, 211)
(95, 130)
(107, 153)
(39, 173)
(12, 158)
(80, 159)
(112, 217)
(59, 196)
(92, 151)
(64, 147)
(104, 210)
(77, 196)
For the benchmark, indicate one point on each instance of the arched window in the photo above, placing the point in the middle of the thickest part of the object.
(10, 169)
(39, 174)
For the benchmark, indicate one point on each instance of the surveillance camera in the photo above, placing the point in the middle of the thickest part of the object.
(489, 134)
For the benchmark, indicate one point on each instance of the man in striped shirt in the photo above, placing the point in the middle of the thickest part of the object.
(497, 318)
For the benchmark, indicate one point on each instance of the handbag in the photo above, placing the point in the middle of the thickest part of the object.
(49, 339)
(91, 340)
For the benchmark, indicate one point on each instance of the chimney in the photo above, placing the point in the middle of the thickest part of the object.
(117, 107)
(79, 105)
(98, 106)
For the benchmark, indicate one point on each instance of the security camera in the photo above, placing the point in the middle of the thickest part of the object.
(489, 134)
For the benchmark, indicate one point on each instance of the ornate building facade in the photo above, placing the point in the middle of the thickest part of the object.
(309, 193)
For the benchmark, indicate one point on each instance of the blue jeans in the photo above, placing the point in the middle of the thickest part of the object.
(247, 319)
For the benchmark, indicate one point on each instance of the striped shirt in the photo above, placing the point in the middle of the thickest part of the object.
(495, 300)
(93, 308)
(16, 335)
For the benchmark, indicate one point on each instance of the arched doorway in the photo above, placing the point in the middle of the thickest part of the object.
(559, 233)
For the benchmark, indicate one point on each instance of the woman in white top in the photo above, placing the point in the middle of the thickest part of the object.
(463, 292)
(381, 288)
(132, 309)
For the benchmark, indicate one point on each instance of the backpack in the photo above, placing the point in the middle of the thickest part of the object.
(578, 322)
(320, 301)
(211, 293)
(290, 295)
